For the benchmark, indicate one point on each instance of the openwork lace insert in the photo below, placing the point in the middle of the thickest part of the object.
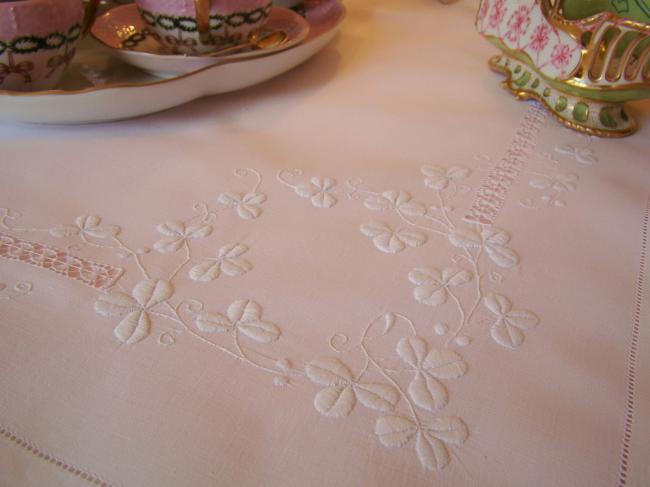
(98, 276)
(632, 357)
(491, 195)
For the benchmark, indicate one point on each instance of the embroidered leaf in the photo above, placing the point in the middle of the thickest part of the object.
(506, 335)
(497, 303)
(198, 231)
(211, 322)
(336, 402)
(135, 327)
(389, 321)
(436, 177)
(495, 236)
(323, 199)
(412, 239)
(248, 212)
(377, 203)
(105, 231)
(230, 199)
(444, 364)
(465, 238)
(150, 293)
(425, 275)
(396, 197)
(432, 453)
(540, 183)
(454, 277)
(433, 294)
(87, 221)
(449, 429)
(207, 270)
(522, 318)
(64, 231)
(306, 189)
(375, 229)
(389, 243)
(244, 310)
(380, 397)
(230, 251)
(116, 304)
(328, 372)
(412, 350)
(427, 392)
(236, 267)
(254, 198)
(394, 431)
(413, 208)
(457, 172)
(502, 256)
(260, 331)
(172, 228)
(167, 245)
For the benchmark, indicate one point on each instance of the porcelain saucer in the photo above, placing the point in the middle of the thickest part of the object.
(123, 31)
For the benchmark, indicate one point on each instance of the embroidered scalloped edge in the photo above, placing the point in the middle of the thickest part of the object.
(38, 452)
(632, 356)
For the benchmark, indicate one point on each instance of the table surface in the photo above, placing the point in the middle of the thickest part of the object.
(288, 286)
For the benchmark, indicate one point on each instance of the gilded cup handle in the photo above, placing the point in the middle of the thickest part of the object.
(202, 8)
(89, 16)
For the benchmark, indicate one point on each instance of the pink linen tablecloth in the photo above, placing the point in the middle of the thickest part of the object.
(377, 270)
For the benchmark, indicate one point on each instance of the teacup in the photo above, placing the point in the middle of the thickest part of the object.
(201, 26)
(38, 39)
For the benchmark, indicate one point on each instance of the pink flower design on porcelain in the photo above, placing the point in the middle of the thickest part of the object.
(497, 14)
(485, 6)
(539, 39)
(560, 56)
(518, 23)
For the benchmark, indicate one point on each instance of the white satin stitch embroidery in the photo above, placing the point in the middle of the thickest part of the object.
(318, 189)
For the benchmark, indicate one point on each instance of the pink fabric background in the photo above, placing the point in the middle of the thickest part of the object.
(405, 86)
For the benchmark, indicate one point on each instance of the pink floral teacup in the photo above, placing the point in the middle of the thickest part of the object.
(38, 39)
(201, 26)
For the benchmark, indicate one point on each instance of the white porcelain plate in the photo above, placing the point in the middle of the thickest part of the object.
(122, 23)
(100, 87)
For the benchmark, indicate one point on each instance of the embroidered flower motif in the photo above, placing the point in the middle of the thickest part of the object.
(507, 330)
(226, 261)
(86, 225)
(136, 325)
(431, 437)
(392, 241)
(427, 392)
(561, 56)
(540, 37)
(559, 182)
(342, 391)
(492, 240)
(243, 316)
(247, 205)
(176, 234)
(400, 201)
(518, 23)
(438, 177)
(497, 13)
(433, 285)
(318, 190)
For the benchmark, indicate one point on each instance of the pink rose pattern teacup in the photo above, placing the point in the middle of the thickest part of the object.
(200, 26)
(38, 39)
